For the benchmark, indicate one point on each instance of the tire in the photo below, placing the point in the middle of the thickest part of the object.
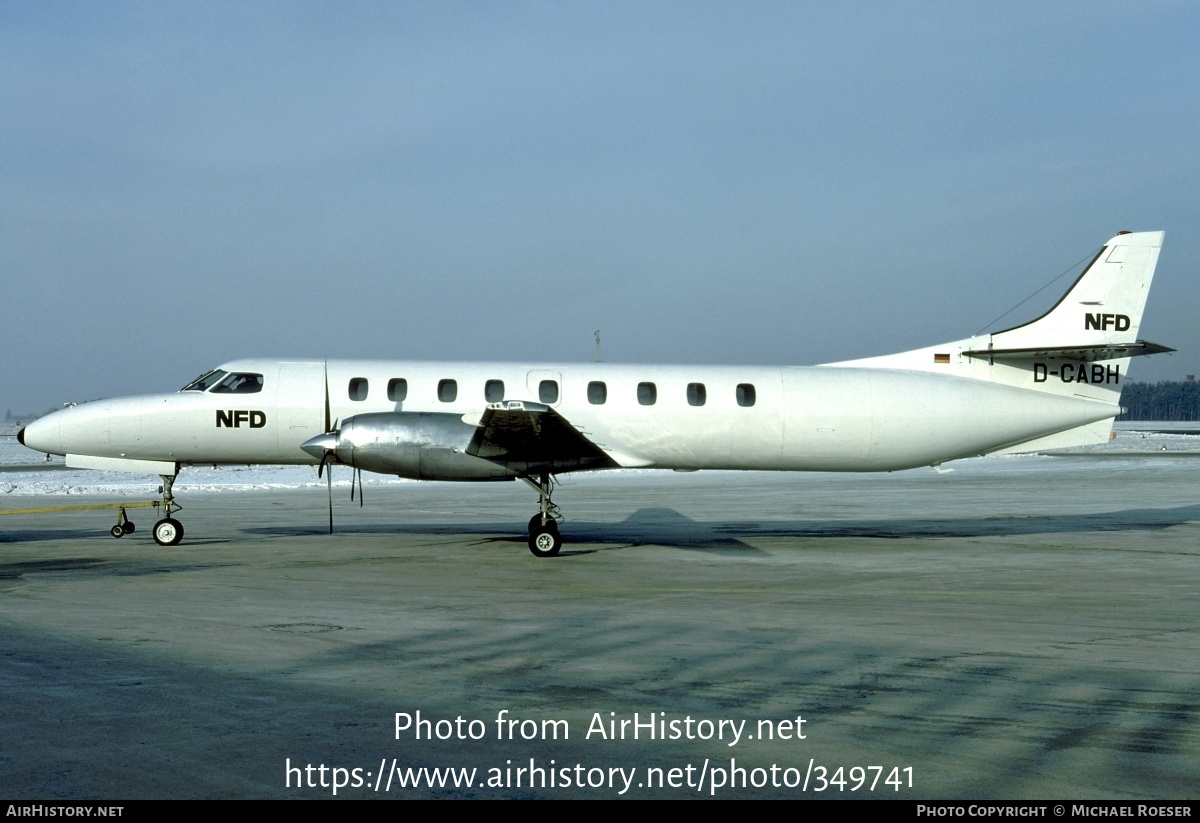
(128, 527)
(545, 541)
(117, 531)
(168, 532)
(535, 523)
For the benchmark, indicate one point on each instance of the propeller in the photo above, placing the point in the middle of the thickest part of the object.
(329, 453)
(325, 445)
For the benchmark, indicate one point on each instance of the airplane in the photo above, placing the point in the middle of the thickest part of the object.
(1053, 382)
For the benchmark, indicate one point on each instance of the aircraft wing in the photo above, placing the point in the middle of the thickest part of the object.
(531, 438)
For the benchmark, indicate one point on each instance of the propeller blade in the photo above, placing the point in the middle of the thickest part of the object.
(357, 474)
(325, 444)
(328, 428)
(329, 488)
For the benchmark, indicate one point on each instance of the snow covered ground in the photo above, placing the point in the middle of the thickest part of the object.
(21, 469)
(19, 475)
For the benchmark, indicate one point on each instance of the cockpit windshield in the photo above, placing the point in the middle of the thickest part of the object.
(239, 383)
(204, 381)
(224, 382)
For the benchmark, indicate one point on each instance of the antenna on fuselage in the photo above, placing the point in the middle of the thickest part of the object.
(597, 358)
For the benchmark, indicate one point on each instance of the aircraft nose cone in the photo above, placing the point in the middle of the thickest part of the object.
(42, 435)
(317, 446)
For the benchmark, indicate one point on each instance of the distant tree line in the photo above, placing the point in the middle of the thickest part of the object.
(9, 417)
(1166, 400)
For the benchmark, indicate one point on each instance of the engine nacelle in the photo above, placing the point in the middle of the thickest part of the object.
(417, 445)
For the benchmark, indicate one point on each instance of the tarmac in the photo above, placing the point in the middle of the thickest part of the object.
(1021, 628)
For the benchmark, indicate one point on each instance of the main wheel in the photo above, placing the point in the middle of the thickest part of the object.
(168, 532)
(117, 531)
(535, 523)
(545, 541)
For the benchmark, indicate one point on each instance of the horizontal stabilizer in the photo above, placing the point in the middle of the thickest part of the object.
(1111, 351)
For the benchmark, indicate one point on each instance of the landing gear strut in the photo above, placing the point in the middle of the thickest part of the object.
(544, 539)
(168, 531)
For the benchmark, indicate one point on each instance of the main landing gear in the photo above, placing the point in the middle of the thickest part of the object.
(168, 531)
(544, 539)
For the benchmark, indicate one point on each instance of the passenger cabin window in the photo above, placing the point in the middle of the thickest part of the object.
(745, 394)
(493, 391)
(548, 391)
(696, 394)
(647, 394)
(358, 388)
(397, 389)
(597, 393)
(205, 381)
(448, 391)
(239, 383)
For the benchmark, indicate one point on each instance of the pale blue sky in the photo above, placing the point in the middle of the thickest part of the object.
(757, 182)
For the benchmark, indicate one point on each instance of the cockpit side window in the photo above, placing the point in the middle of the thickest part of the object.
(204, 381)
(239, 383)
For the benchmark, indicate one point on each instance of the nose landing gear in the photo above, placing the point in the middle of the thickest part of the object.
(168, 531)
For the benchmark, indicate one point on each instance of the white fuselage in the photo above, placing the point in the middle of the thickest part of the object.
(815, 418)
(1052, 382)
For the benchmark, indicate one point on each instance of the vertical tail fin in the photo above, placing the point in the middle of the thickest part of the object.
(1083, 345)
(1103, 307)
